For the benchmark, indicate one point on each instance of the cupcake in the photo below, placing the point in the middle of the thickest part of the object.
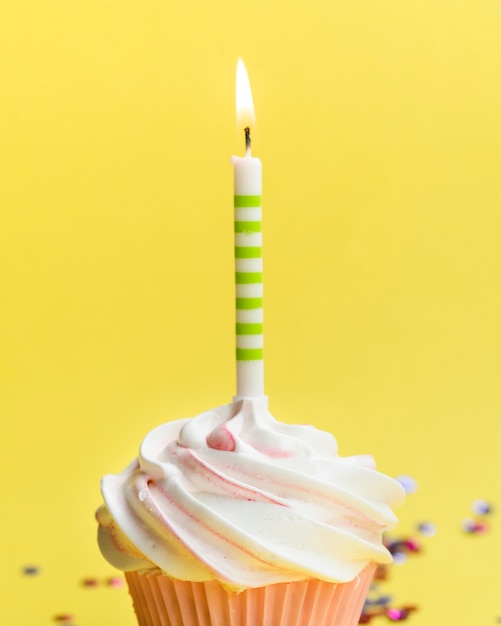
(232, 518)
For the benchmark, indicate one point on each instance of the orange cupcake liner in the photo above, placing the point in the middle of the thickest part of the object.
(163, 601)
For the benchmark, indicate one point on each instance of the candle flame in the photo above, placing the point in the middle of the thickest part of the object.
(245, 106)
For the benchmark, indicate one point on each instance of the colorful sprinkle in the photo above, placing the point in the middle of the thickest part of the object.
(468, 525)
(474, 527)
(31, 570)
(90, 582)
(428, 529)
(481, 507)
(402, 546)
(115, 582)
(64, 618)
(412, 545)
(408, 483)
(399, 558)
(393, 545)
(480, 528)
(397, 615)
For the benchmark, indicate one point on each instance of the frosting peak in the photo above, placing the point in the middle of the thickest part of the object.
(246, 426)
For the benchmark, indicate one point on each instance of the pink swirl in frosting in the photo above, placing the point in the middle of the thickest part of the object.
(237, 496)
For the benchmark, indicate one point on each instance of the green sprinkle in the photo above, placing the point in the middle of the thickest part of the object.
(248, 252)
(248, 329)
(248, 227)
(247, 201)
(249, 303)
(249, 354)
(248, 278)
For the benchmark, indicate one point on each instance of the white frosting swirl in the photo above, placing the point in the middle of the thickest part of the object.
(235, 495)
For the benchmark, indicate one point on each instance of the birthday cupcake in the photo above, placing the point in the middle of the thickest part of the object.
(232, 518)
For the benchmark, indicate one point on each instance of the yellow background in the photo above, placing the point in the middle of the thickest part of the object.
(379, 129)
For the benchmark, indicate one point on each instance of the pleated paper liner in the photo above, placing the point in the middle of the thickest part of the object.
(162, 601)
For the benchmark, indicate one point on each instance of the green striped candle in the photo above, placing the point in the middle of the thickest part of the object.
(248, 260)
(248, 277)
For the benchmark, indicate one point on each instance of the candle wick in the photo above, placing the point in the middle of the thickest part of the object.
(247, 140)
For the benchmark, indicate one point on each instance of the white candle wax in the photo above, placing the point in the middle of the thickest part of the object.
(248, 276)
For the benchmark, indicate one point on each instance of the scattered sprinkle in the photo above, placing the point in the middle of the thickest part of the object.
(468, 525)
(480, 528)
(397, 615)
(63, 618)
(394, 614)
(90, 582)
(408, 483)
(115, 582)
(399, 558)
(30, 570)
(481, 507)
(477, 525)
(474, 527)
(412, 545)
(402, 546)
(428, 529)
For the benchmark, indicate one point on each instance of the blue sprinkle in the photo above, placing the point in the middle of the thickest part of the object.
(481, 507)
(427, 528)
(399, 558)
(468, 525)
(408, 483)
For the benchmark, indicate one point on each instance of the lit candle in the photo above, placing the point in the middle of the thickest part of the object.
(248, 252)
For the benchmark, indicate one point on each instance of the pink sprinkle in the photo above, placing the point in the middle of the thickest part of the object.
(116, 582)
(412, 545)
(396, 615)
(480, 528)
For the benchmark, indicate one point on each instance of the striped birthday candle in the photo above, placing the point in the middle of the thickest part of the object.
(248, 253)
(248, 276)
